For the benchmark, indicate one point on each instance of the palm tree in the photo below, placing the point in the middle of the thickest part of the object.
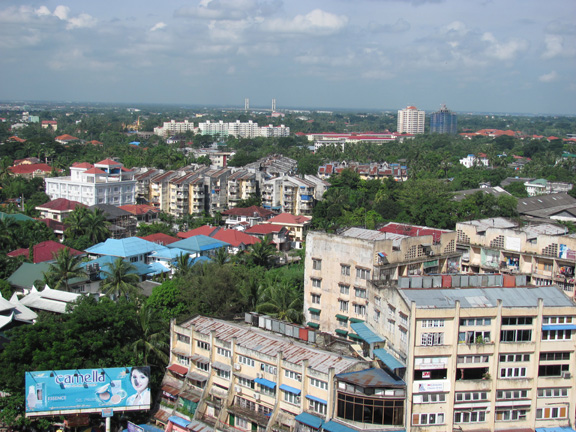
(153, 342)
(66, 267)
(220, 257)
(119, 280)
(96, 226)
(183, 265)
(8, 240)
(262, 252)
(282, 301)
(75, 222)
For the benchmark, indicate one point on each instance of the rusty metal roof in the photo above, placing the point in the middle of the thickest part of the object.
(371, 378)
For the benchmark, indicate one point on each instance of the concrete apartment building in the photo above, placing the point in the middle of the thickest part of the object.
(411, 120)
(267, 375)
(240, 129)
(291, 194)
(105, 182)
(187, 194)
(174, 128)
(242, 185)
(544, 252)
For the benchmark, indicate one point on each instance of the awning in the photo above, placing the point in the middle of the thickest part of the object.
(265, 382)
(388, 359)
(309, 420)
(179, 369)
(332, 426)
(559, 327)
(382, 254)
(179, 421)
(162, 416)
(366, 333)
(342, 317)
(356, 320)
(429, 264)
(197, 358)
(189, 396)
(313, 325)
(196, 376)
(341, 332)
(314, 310)
(290, 389)
(317, 399)
(170, 390)
(354, 336)
(221, 366)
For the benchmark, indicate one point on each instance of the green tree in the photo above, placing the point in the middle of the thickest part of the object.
(120, 280)
(282, 301)
(152, 346)
(262, 253)
(65, 268)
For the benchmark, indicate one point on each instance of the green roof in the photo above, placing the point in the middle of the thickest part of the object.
(354, 336)
(356, 320)
(19, 217)
(342, 317)
(28, 273)
(341, 332)
(313, 325)
(314, 310)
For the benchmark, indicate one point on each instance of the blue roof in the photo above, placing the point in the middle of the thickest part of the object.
(265, 382)
(309, 420)
(388, 359)
(156, 268)
(555, 429)
(199, 243)
(332, 426)
(179, 421)
(289, 389)
(126, 247)
(168, 253)
(317, 399)
(367, 334)
(105, 262)
(559, 327)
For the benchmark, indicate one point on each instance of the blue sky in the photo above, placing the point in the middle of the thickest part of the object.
(472, 55)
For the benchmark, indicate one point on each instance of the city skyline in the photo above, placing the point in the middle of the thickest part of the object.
(515, 56)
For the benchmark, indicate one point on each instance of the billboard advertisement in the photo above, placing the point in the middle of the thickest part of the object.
(87, 390)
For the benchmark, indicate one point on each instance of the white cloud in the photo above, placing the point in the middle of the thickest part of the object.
(158, 26)
(400, 26)
(556, 46)
(503, 50)
(61, 12)
(315, 22)
(549, 77)
(81, 21)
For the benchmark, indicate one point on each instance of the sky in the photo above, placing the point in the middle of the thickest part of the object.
(515, 56)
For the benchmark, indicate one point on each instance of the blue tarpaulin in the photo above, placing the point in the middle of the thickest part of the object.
(265, 382)
(317, 399)
(179, 421)
(559, 327)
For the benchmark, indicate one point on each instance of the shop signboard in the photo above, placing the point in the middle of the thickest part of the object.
(87, 390)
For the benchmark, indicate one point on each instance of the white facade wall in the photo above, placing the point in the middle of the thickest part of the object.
(411, 120)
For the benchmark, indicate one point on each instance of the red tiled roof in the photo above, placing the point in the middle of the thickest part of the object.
(107, 161)
(49, 122)
(18, 252)
(32, 160)
(248, 211)
(66, 137)
(264, 229)
(82, 165)
(160, 238)
(205, 230)
(235, 237)
(139, 209)
(54, 225)
(95, 170)
(30, 168)
(287, 218)
(45, 251)
(60, 204)
(98, 143)
(412, 230)
(15, 138)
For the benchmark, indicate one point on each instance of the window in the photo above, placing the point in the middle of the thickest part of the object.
(471, 396)
(513, 372)
(317, 407)
(376, 315)
(431, 339)
(548, 356)
(552, 392)
(223, 373)
(343, 305)
(241, 423)
(315, 316)
(246, 360)
(291, 398)
(391, 311)
(403, 319)
(360, 292)
(319, 383)
(557, 320)
(316, 283)
(472, 337)
(224, 352)
(203, 366)
(134, 259)
(203, 345)
(183, 338)
(268, 368)
(362, 273)
(432, 323)
(511, 414)
(316, 298)
(477, 416)
(475, 321)
(292, 375)
(473, 359)
(316, 264)
(433, 397)
(516, 335)
(509, 358)
(552, 413)
(516, 321)
(359, 309)
(512, 394)
(552, 370)
(391, 326)
(428, 419)
(267, 391)
(183, 360)
(344, 289)
(377, 300)
(345, 270)
(403, 336)
(245, 382)
(548, 335)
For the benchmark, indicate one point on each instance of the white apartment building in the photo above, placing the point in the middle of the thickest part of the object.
(174, 128)
(411, 120)
(105, 182)
(291, 194)
(240, 129)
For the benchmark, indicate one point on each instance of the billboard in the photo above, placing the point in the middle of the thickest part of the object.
(87, 390)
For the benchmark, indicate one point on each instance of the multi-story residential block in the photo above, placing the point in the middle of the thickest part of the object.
(411, 120)
(234, 376)
(443, 121)
(181, 200)
(472, 160)
(217, 185)
(242, 185)
(160, 189)
(174, 128)
(345, 273)
(143, 184)
(545, 253)
(290, 194)
(240, 129)
(543, 186)
(372, 171)
(106, 182)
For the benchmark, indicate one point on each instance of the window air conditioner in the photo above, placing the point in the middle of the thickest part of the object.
(237, 366)
(257, 396)
(566, 375)
(237, 389)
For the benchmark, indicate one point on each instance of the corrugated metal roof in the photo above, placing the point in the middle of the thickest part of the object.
(366, 234)
(373, 377)
(486, 297)
(271, 344)
(126, 247)
(198, 243)
(366, 333)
